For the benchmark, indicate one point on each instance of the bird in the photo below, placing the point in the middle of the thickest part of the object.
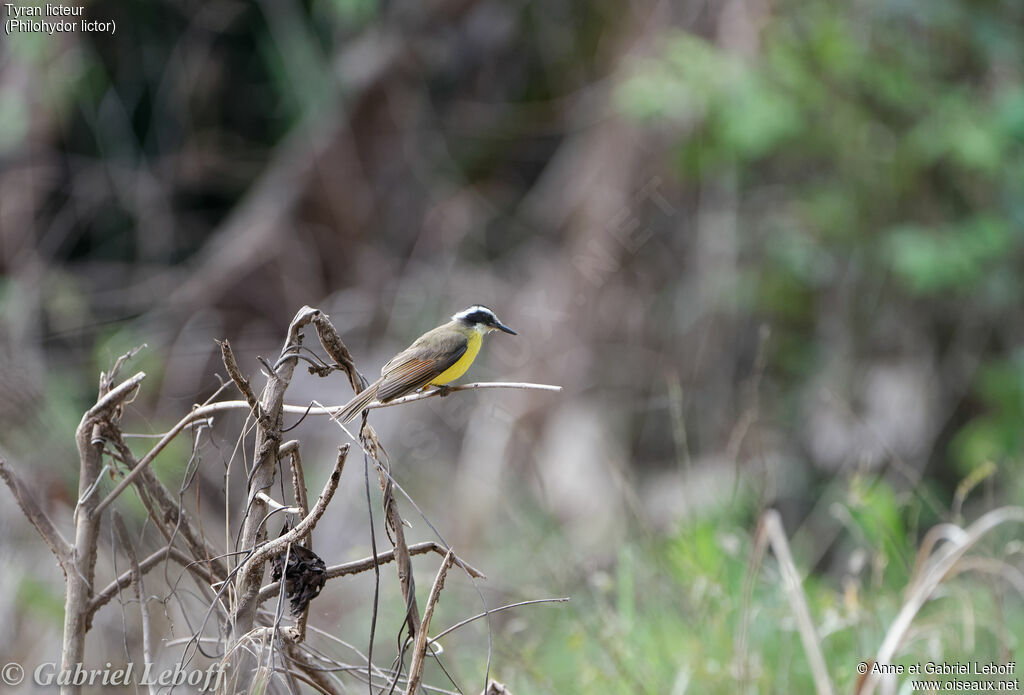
(435, 358)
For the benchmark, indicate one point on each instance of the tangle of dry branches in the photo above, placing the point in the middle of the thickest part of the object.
(229, 581)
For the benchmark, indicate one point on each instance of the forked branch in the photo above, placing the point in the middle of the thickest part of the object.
(255, 561)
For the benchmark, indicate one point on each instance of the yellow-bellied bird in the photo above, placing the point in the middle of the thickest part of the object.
(434, 359)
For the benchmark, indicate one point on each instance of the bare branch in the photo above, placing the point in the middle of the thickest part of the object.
(206, 411)
(174, 521)
(420, 648)
(135, 573)
(115, 397)
(367, 563)
(228, 357)
(313, 670)
(36, 516)
(255, 561)
(168, 552)
(517, 604)
(268, 438)
(445, 390)
(333, 346)
(167, 514)
(276, 506)
(199, 413)
(107, 378)
(521, 385)
(291, 449)
(371, 444)
(81, 570)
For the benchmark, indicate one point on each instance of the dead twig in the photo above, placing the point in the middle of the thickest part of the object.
(268, 438)
(517, 604)
(254, 563)
(770, 531)
(333, 346)
(103, 597)
(107, 378)
(420, 647)
(81, 569)
(523, 386)
(36, 516)
(124, 391)
(206, 411)
(291, 449)
(228, 357)
(167, 514)
(314, 671)
(135, 572)
(199, 413)
(928, 575)
(367, 563)
(394, 522)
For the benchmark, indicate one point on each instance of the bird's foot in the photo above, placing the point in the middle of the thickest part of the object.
(443, 390)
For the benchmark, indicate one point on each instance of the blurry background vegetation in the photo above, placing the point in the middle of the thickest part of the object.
(772, 251)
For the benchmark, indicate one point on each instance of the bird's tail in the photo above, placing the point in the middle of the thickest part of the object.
(358, 403)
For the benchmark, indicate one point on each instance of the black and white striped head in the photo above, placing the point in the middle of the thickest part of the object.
(482, 319)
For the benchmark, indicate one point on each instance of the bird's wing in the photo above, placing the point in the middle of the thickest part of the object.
(421, 363)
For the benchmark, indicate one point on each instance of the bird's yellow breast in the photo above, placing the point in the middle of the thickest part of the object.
(453, 372)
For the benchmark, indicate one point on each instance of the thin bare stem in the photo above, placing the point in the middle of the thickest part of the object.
(771, 527)
(420, 647)
(206, 411)
(81, 569)
(313, 671)
(135, 572)
(199, 413)
(456, 626)
(938, 567)
(267, 550)
(522, 386)
(367, 563)
(333, 345)
(167, 552)
(394, 522)
(228, 357)
(166, 512)
(291, 448)
(265, 461)
(36, 516)
(124, 391)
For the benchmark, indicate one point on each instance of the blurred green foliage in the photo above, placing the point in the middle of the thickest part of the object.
(879, 152)
(885, 140)
(694, 611)
(995, 434)
(41, 600)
